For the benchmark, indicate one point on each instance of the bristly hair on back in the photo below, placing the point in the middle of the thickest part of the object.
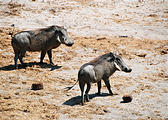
(100, 58)
(50, 28)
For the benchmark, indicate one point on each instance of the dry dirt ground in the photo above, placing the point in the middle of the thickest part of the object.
(137, 31)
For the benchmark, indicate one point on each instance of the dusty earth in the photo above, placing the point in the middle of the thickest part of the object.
(137, 31)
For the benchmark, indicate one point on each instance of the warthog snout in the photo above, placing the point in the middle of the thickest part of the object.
(70, 44)
(128, 70)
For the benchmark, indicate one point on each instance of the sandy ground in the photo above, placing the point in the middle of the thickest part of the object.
(137, 31)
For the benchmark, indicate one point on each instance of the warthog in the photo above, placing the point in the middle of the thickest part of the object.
(43, 40)
(100, 68)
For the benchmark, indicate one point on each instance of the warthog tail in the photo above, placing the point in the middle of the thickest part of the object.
(69, 88)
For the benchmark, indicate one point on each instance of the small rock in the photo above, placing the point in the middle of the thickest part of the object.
(7, 97)
(23, 82)
(103, 38)
(127, 98)
(141, 53)
(123, 36)
(37, 86)
(24, 110)
(17, 93)
(164, 52)
(152, 15)
(106, 111)
(116, 14)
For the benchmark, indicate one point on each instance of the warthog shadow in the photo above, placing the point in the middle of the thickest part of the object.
(77, 100)
(31, 64)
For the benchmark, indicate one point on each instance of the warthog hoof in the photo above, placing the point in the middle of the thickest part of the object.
(16, 67)
(41, 62)
(82, 103)
(98, 94)
(111, 94)
(87, 98)
(52, 64)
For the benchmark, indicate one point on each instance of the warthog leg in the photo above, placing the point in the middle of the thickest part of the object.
(21, 55)
(106, 81)
(16, 58)
(42, 56)
(49, 52)
(82, 85)
(99, 87)
(87, 91)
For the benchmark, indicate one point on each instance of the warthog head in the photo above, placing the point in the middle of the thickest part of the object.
(119, 63)
(63, 37)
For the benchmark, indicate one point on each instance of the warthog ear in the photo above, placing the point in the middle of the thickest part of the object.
(116, 53)
(111, 57)
(111, 52)
(62, 27)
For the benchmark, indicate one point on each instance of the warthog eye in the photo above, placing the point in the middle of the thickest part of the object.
(117, 59)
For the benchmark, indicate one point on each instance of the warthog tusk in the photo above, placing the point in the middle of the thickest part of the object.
(118, 67)
(58, 38)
